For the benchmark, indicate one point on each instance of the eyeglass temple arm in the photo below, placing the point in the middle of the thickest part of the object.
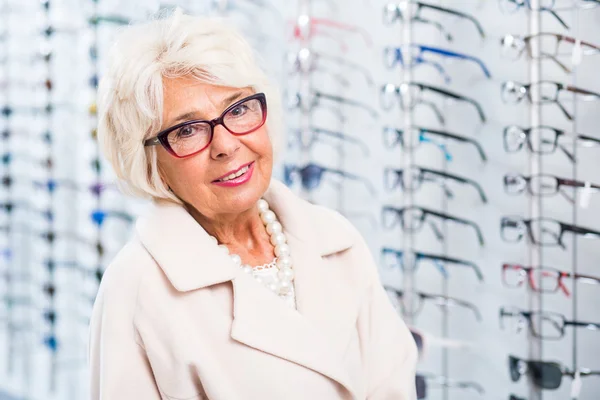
(437, 25)
(461, 180)
(462, 56)
(458, 14)
(460, 139)
(457, 97)
(453, 302)
(460, 221)
(343, 100)
(452, 260)
(342, 136)
(588, 325)
(346, 27)
(152, 141)
(349, 175)
(580, 230)
(350, 64)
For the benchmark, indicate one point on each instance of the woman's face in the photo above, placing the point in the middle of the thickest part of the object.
(196, 180)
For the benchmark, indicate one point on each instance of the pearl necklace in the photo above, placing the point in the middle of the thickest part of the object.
(282, 285)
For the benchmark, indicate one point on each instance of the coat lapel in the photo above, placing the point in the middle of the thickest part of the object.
(315, 334)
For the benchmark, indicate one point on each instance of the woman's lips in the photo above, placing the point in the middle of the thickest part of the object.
(240, 180)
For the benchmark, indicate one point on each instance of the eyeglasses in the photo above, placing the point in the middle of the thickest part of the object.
(52, 185)
(510, 6)
(312, 174)
(548, 46)
(549, 138)
(544, 185)
(544, 374)
(418, 299)
(395, 55)
(541, 231)
(8, 158)
(543, 324)
(393, 12)
(191, 137)
(513, 397)
(413, 136)
(306, 105)
(423, 380)
(412, 219)
(397, 258)
(542, 279)
(409, 95)
(307, 60)
(514, 92)
(418, 175)
(306, 27)
(10, 206)
(307, 138)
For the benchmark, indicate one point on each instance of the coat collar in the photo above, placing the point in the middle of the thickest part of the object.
(317, 333)
(182, 248)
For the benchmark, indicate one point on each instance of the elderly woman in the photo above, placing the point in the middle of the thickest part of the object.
(231, 287)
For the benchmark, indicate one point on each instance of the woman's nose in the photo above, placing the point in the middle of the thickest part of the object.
(224, 143)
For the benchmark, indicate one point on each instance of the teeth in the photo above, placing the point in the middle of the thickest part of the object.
(235, 175)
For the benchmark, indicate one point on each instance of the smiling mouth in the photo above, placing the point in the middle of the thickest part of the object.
(242, 171)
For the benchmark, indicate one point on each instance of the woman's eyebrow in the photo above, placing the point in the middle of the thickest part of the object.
(224, 104)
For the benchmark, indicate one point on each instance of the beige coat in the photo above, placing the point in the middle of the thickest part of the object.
(176, 319)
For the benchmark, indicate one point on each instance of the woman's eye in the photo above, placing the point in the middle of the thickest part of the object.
(185, 132)
(239, 110)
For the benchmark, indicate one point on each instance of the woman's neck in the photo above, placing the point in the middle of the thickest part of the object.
(243, 234)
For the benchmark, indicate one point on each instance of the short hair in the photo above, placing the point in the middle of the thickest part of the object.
(130, 93)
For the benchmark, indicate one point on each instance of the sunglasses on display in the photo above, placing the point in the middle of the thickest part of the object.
(423, 381)
(542, 279)
(513, 92)
(307, 138)
(543, 374)
(548, 6)
(411, 11)
(415, 52)
(393, 258)
(549, 46)
(541, 231)
(542, 324)
(412, 137)
(548, 140)
(410, 94)
(307, 27)
(413, 218)
(419, 298)
(311, 176)
(307, 61)
(395, 178)
(191, 137)
(545, 185)
(307, 105)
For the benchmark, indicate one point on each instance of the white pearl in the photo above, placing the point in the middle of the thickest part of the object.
(285, 287)
(282, 249)
(268, 217)
(247, 269)
(278, 239)
(213, 239)
(285, 274)
(274, 286)
(274, 227)
(237, 260)
(224, 248)
(284, 261)
(262, 205)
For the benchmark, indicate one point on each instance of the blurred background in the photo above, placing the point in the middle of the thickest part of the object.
(458, 136)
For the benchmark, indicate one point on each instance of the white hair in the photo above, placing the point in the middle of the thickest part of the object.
(130, 93)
